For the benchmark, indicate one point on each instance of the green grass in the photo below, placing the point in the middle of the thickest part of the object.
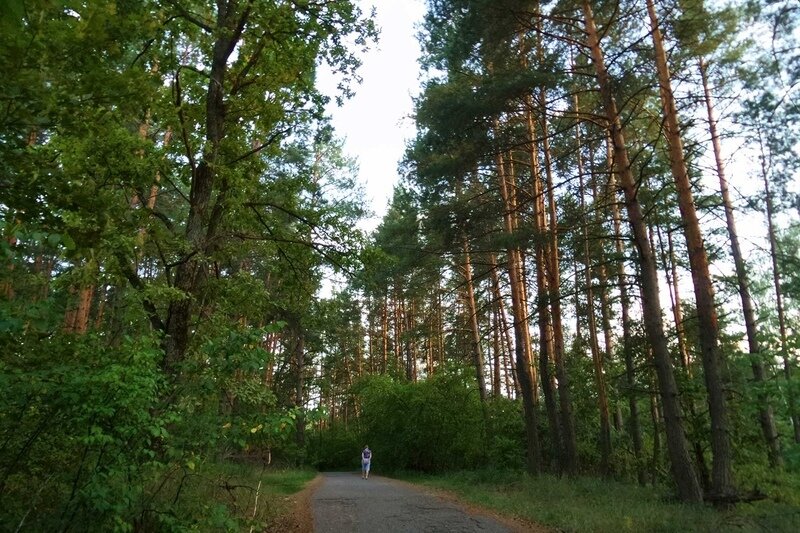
(594, 505)
(222, 496)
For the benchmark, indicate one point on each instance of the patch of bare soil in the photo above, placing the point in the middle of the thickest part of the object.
(516, 525)
(299, 516)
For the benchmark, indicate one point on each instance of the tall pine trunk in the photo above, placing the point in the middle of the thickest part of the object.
(776, 281)
(634, 426)
(765, 412)
(597, 358)
(546, 342)
(722, 468)
(569, 455)
(497, 354)
(505, 329)
(671, 274)
(681, 466)
(669, 264)
(522, 344)
(475, 334)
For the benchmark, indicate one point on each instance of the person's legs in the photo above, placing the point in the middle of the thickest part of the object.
(366, 470)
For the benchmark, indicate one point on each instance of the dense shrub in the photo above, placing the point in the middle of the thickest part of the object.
(433, 425)
(78, 431)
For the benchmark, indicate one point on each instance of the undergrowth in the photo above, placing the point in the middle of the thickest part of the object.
(233, 497)
(595, 505)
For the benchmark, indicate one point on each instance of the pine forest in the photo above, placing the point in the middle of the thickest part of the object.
(588, 273)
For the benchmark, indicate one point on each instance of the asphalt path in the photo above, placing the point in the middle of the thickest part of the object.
(345, 503)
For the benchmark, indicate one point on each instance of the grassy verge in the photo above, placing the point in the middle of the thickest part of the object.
(231, 497)
(594, 505)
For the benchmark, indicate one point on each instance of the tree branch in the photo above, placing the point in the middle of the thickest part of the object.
(191, 17)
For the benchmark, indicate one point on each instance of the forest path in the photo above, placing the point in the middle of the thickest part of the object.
(346, 503)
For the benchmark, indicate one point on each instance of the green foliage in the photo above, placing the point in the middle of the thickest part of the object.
(337, 447)
(91, 441)
(433, 425)
(222, 497)
(106, 126)
(505, 433)
(77, 420)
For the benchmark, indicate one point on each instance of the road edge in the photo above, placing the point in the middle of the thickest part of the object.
(299, 515)
(515, 524)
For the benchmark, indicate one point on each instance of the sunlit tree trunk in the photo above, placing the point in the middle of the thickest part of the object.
(597, 358)
(522, 344)
(497, 354)
(440, 323)
(397, 343)
(410, 345)
(765, 412)
(682, 470)
(634, 427)
(568, 456)
(475, 334)
(384, 333)
(84, 308)
(370, 337)
(569, 453)
(76, 315)
(546, 344)
(505, 334)
(722, 468)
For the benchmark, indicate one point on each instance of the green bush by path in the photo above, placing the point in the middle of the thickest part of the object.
(87, 443)
(595, 505)
(432, 425)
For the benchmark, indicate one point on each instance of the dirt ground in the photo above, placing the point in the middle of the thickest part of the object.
(299, 517)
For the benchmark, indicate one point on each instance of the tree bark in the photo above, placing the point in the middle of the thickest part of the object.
(776, 281)
(682, 470)
(569, 455)
(202, 223)
(765, 412)
(597, 358)
(84, 308)
(677, 309)
(497, 354)
(634, 427)
(546, 341)
(385, 333)
(522, 344)
(298, 354)
(505, 329)
(669, 264)
(655, 415)
(475, 344)
(722, 468)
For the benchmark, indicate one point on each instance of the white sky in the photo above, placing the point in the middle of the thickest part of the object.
(376, 123)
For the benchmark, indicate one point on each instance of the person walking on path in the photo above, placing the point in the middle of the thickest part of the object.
(366, 459)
